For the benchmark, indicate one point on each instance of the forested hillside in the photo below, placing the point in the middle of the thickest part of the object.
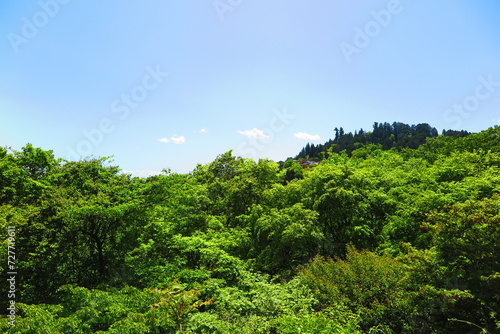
(372, 240)
(396, 135)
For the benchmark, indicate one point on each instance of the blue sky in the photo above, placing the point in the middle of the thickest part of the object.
(169, 84)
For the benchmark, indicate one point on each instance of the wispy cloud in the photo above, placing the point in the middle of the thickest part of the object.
(175, 140)
(203, 130)
(254, 133)
(306, 136)
(178, 140)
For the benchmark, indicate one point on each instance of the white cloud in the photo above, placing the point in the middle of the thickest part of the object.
(203, 130)
(178, 140)
(306, 136)
(175, 140)
(254, 133)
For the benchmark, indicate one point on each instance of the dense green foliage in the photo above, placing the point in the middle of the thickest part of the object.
(374, 240)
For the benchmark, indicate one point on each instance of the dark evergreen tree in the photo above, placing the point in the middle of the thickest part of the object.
(396, 135)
